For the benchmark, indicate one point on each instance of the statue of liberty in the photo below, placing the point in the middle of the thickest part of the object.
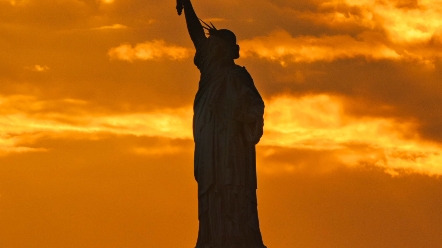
(227, 124)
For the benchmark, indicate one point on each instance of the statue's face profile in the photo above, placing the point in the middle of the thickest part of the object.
(235, 51)
(229, 52)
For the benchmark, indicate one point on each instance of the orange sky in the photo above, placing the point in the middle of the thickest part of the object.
(96, 101)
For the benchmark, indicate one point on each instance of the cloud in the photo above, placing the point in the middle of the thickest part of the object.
(25, 119)
(149, 50)
(280, 46)
(11, 144)
(339, 17)
(336, 30)
(21, 114)
(214, 19)
(320, 123)
(313, 123)
(115, 26)
(38, 68)
(404, 21)
(12, 2)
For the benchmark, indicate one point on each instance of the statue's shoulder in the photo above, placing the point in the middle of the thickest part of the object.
(241, 71)
(242, 78)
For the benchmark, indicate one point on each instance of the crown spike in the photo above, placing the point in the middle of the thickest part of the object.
(207, 25)
(211, 28)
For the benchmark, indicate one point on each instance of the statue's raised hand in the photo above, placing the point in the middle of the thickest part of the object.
(180, 5)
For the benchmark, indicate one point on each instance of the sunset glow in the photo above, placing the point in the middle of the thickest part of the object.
(96, 99)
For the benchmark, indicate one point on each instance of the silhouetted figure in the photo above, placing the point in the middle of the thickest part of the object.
(227, 123)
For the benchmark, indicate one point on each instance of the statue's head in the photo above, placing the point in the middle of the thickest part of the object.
(229, 50)
(230, 42)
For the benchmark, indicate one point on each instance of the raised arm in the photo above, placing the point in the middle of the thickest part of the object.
(194, 27)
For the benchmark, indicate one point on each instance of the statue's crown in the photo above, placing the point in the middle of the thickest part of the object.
(224, 34)
(210, 28)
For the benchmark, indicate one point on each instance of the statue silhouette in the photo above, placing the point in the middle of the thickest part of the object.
(227, 124)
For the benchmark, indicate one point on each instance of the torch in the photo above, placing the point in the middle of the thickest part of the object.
(179, 7)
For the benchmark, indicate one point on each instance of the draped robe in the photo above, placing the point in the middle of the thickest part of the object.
(227, 123)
